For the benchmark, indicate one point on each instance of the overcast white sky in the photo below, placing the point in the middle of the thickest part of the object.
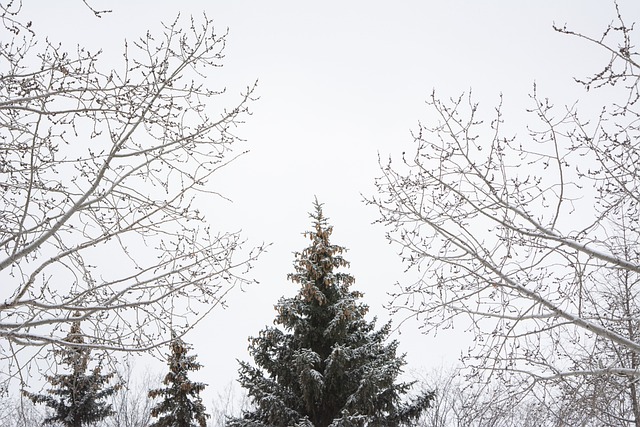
(339, 83)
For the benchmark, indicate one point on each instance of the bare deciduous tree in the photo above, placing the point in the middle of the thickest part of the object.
(20, 413)
(535, 239)
(459, 403)
(230, 402)
(102, 177)
(132, 404)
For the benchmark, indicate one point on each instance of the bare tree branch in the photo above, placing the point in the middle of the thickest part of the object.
(102, 173)
(535, 239)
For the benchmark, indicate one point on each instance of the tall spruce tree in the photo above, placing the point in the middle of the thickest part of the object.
(77, 398)
(327, 365)
(181, 404)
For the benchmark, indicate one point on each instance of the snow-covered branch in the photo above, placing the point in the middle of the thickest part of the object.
(100, 173)
(533, 238)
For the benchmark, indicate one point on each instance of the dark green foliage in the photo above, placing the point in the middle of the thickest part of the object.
(181, 404)
(77, 398)
(326, 365)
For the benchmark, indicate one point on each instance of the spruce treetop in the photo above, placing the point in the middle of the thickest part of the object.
(181, 404)
(77, 398)
(323, 363)
(315, 265)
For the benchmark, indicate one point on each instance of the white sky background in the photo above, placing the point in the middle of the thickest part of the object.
(340, 82)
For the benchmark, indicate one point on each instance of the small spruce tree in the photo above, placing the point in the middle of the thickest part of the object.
(181, 404)
(77, 398)
(327, 365)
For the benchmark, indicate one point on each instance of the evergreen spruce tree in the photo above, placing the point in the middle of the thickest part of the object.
(327, 365)
(77, 398)
(181, 404)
